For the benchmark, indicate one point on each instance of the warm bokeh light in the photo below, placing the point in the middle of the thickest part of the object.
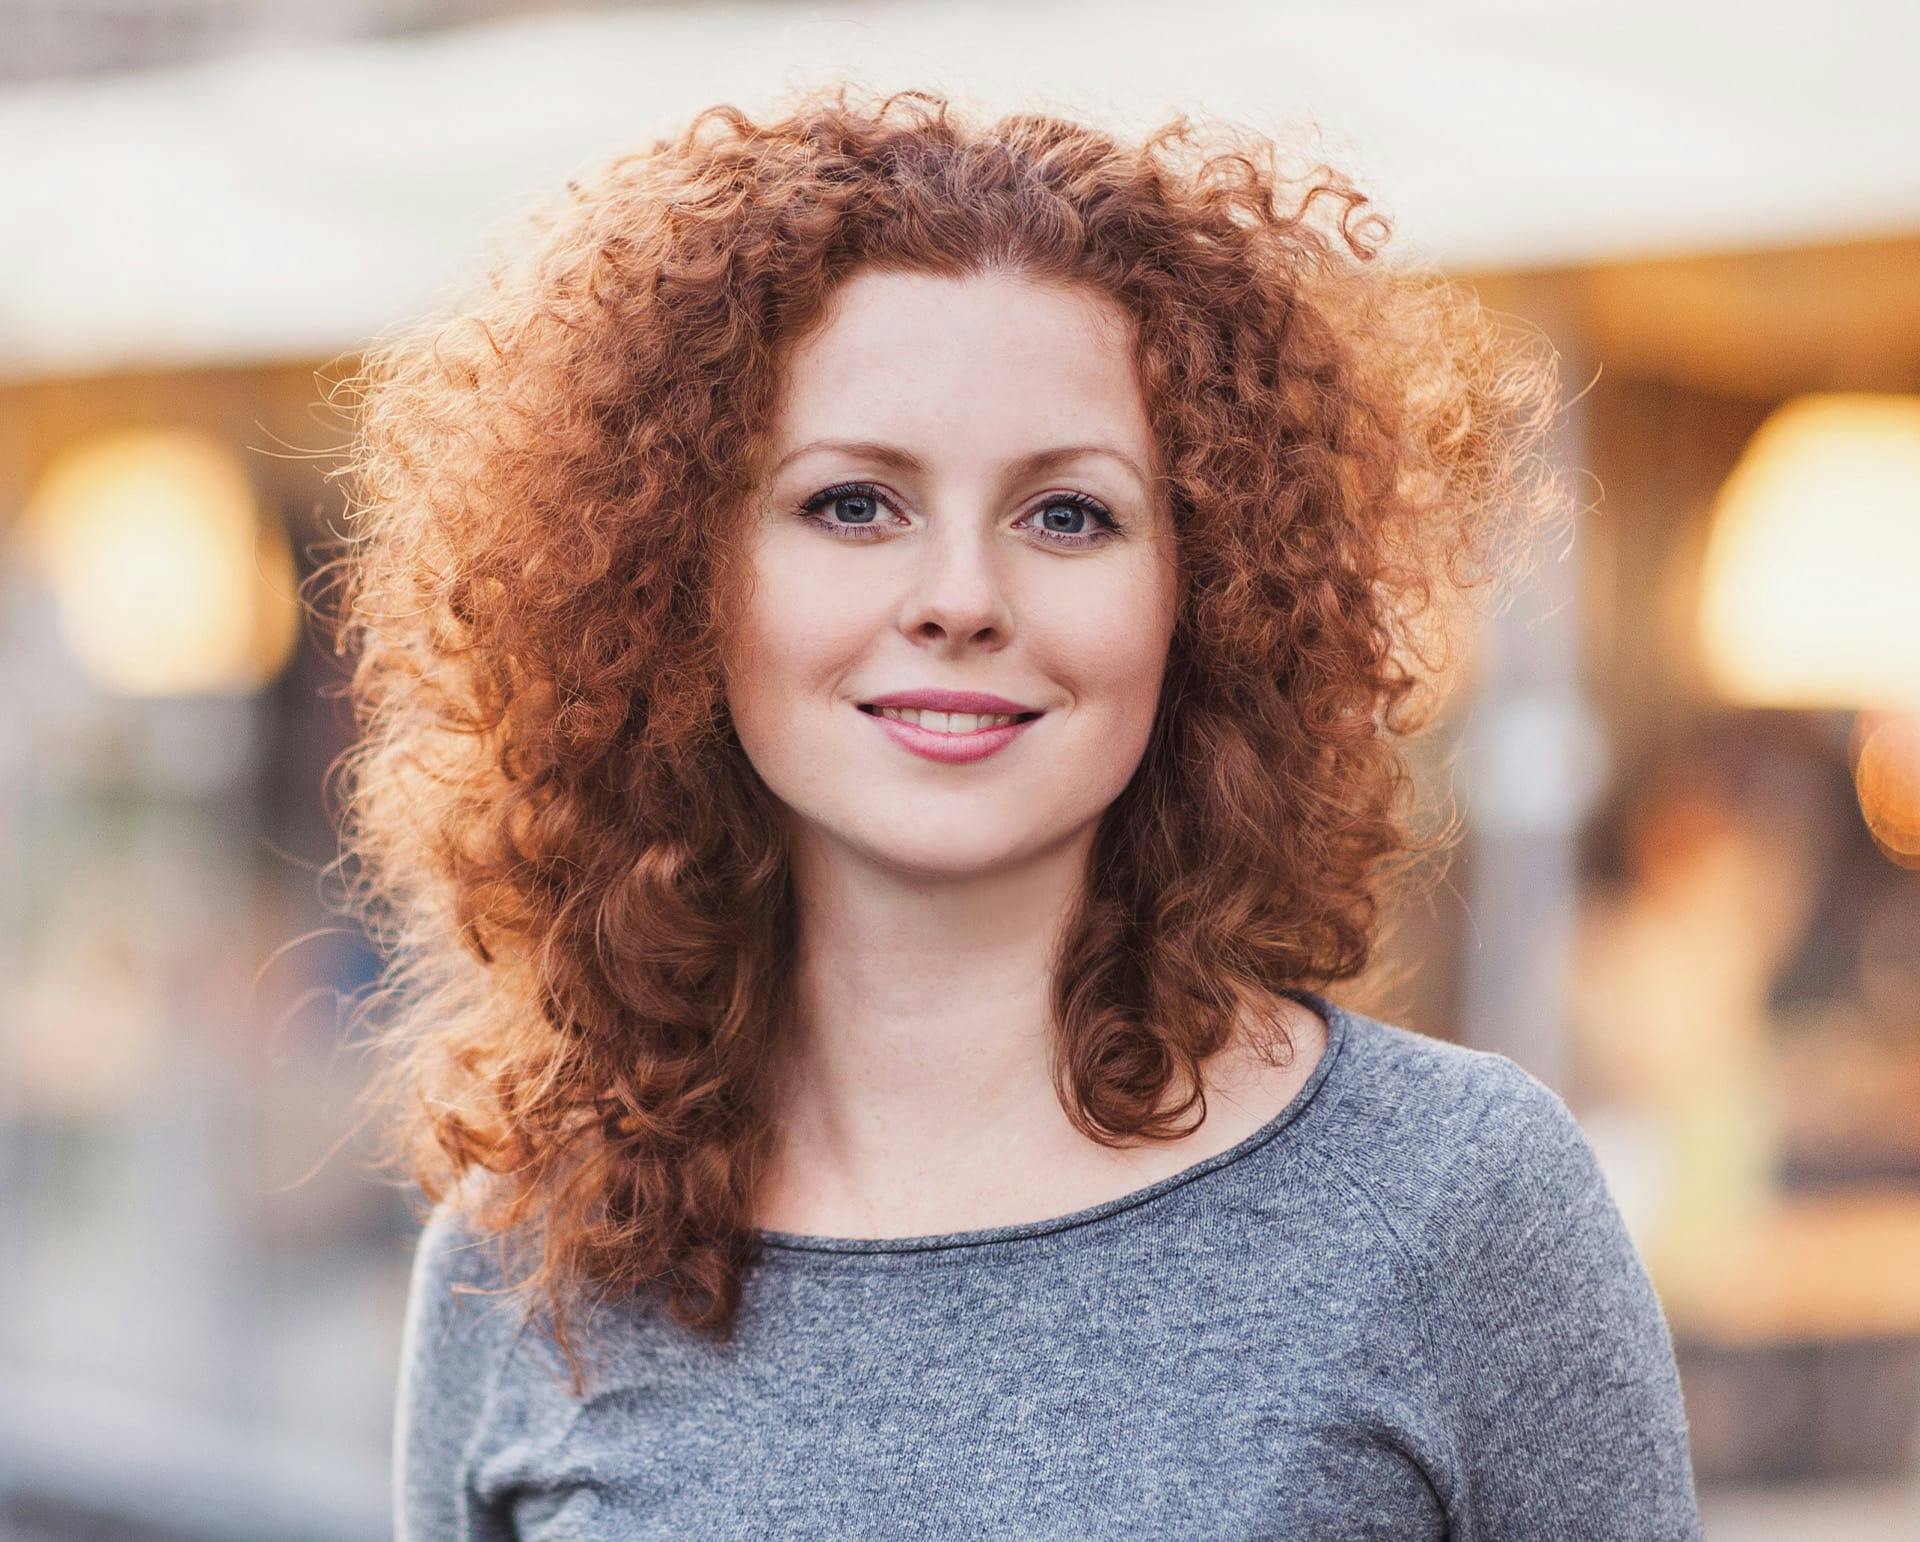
(167, 577)
(1811, 587)
(1886, 780)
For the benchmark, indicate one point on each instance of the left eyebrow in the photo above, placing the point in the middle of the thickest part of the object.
(906, 460)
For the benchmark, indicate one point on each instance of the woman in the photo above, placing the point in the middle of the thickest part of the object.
(880, 646)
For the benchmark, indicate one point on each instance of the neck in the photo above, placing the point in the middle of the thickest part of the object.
(913, 1091)
(920, 1041)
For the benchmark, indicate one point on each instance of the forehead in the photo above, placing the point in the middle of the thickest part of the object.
(982, 364)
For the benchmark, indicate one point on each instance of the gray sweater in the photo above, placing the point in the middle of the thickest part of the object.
(1404, 1308)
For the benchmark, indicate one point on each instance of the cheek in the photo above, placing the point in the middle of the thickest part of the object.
(796, 636)
(1111, 637)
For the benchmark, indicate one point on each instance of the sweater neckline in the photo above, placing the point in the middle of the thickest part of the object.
(1338, 1021)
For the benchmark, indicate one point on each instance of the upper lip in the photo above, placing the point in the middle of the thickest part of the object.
(932, 700)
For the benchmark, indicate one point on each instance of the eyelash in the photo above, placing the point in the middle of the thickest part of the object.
(1109, 527)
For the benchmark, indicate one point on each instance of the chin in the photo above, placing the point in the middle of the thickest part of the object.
(936, 850)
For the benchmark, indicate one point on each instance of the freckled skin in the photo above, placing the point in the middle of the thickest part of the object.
(959, 588)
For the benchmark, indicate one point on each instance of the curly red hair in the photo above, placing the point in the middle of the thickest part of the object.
(576, 874)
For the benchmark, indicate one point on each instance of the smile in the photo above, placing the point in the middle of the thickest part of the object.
(950, 722)
(951, 737)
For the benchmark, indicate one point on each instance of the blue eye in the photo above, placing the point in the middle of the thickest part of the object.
(863, 503)
(1079, 506)
(864, 499)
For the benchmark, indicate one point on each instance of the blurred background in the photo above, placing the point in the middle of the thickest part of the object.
(1688, 753)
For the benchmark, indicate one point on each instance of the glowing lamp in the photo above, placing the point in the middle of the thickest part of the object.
(166, 579)
(1811, 584)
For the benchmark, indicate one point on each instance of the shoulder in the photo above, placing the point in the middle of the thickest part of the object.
(1412, 1089)
(1553, 1404)
(461, 1328)
(451, 1251)
(461, 1317)
(1448, 1140)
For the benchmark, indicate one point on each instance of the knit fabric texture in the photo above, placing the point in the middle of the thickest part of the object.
(1406, 1307)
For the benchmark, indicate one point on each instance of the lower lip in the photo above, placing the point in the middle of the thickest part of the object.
(953, 749)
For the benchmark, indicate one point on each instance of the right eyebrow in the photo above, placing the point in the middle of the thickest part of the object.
(872, 449)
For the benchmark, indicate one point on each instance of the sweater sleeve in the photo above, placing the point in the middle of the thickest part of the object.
(454, 1347)
(1560, 1392)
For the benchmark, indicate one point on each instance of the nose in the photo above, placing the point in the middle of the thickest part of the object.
(957, 594)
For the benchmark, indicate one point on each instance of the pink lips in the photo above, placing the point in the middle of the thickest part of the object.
(952, 749)
(933, 699)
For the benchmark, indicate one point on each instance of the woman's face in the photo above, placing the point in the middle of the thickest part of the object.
(948, 457)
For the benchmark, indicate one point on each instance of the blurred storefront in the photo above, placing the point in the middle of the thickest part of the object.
(196, 1329)
(1745, 978)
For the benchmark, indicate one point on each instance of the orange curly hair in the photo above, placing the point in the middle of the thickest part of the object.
(575, 873)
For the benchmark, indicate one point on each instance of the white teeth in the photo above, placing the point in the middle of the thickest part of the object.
(947, 722)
